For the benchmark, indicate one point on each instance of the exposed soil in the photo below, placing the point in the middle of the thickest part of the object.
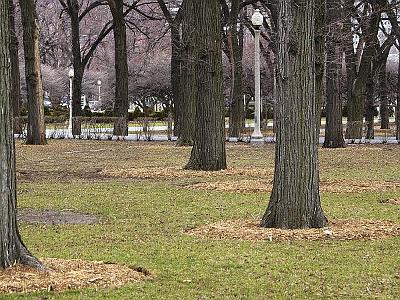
(53, 217)
(178, 172)
(337, 230)
(66, 275)
(391, 201)
(245, 180)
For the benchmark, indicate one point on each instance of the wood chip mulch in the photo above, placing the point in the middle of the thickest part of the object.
(68, 274)
(340, 230)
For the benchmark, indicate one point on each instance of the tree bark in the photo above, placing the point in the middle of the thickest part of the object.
(208, 151)
(12, 250)
(188, 107)
(320, 53)
(235, 41)
(295, 200)
(398, 103)
(334, 126)
(73, 11)
(356, 106)
(176, 76)
(33, 75)
(121, 103)
(384, 105)
(15, 74)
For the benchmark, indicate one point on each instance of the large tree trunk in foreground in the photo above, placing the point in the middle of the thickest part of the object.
(208, 151)
(12, 250)
(334, 126)
(33, 74)
(295, 200)
(188, 106)
(121, 104)
(15, 75)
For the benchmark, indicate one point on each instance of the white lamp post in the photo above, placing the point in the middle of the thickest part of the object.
(99, 85)
(257, 137)
(71, 78)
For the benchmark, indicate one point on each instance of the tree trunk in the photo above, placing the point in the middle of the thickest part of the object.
(320, 23)
(208, 151)
(12, 250)
(356, 107)
(370, 108)
(121, 104)
(295, 200)
(33, 75)
(384, 106)
(398, 103)
(15, 75)
(351, 72)
(334, 126)
(188, 107)
(73, 11)
(176, 76)
(235, 40)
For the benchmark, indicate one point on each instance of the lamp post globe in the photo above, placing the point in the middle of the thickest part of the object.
(71, 73)
(257, 19)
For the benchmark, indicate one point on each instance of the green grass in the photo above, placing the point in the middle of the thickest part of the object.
(143, 224)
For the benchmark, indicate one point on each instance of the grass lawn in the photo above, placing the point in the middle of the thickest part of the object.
(144, 218)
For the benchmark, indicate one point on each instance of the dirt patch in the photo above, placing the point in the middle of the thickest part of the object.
(337, 230)
(66, 275)
(176, 172)
(391, 201)
(329, 186)
(53, 217)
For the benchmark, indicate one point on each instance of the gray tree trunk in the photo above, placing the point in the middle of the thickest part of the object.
(12, 250)
(208, 151)
(334, 126)
(15, 74)
(188, 106)
(398, 104)
(235, 41)
(384, 105)
(320, 53)
(73, 10)
(121, 104)
(33, 74)
(295, 200)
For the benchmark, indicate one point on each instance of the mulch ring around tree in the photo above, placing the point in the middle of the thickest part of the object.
(340, 230)
(69, 274)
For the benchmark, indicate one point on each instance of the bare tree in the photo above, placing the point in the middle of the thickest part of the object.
(208, 151)
(12, 250)
(33, 76)
(295, 200)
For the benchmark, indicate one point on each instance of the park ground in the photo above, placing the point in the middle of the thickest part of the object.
(146, 205)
